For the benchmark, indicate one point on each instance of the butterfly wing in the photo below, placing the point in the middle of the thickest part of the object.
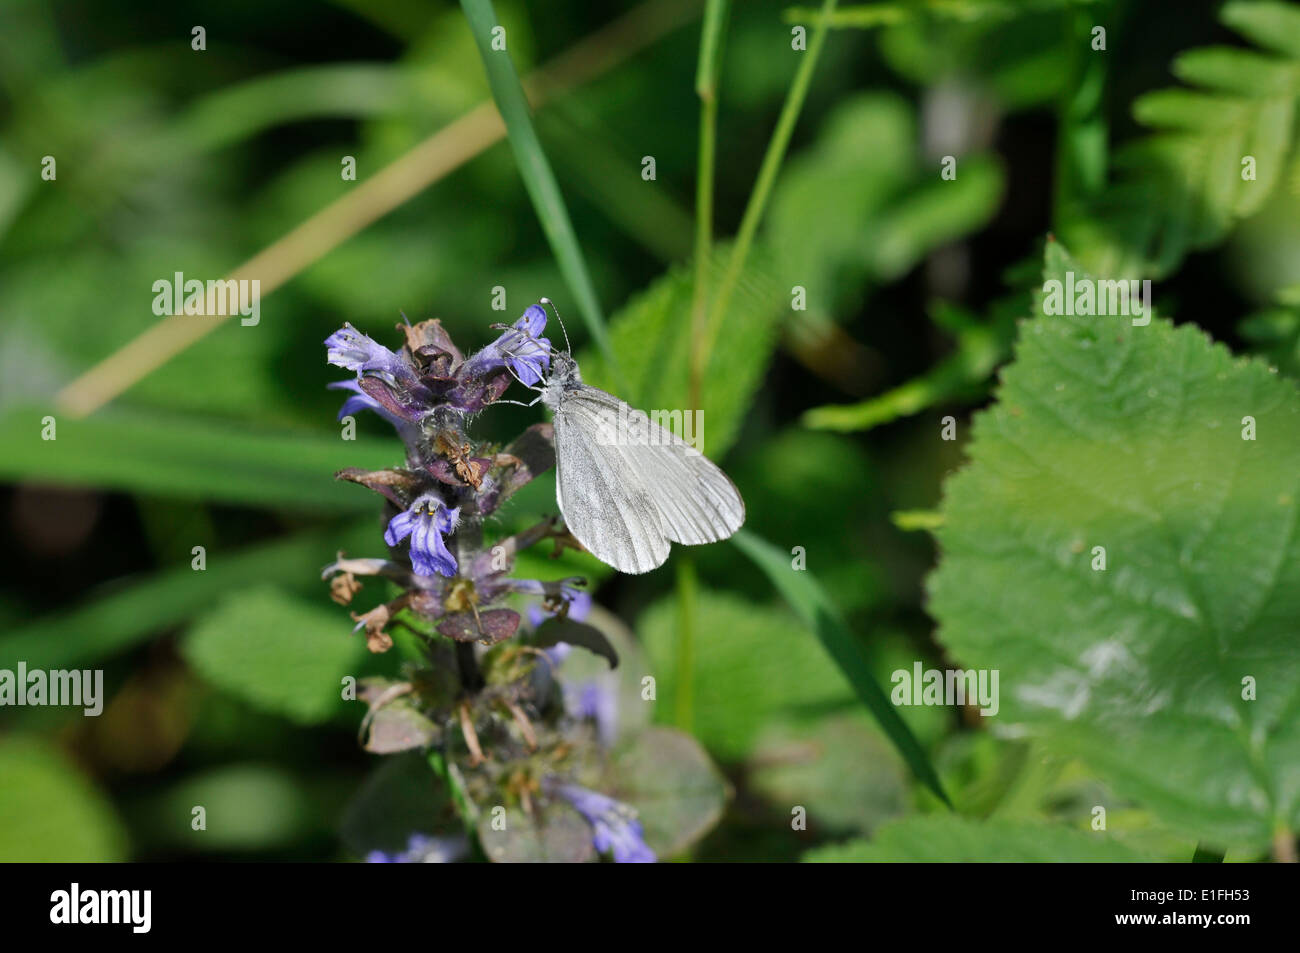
(604, 501)
(667, 490)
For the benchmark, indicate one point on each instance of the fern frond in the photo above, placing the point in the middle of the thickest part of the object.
(1217, 151)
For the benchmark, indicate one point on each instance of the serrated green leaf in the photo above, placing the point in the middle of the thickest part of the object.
(277, 652)
(947, 839)
(1131, 439)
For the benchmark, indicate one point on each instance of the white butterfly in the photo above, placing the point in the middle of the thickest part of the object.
(628, 496)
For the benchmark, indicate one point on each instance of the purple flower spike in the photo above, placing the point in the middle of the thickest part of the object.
(360, 400)
(426, 521)
(521, 348)
(349, 348)
(616, 829)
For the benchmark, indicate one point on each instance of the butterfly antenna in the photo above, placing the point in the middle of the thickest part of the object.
(546, 301)
(512, 373)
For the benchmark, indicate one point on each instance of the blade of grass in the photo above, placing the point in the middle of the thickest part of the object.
(772, 160)
(1206, 855)
(129, 611)
(811, 603)
(190, 457)
(535, 170)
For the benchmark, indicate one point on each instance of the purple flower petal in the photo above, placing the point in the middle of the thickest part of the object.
(349, 348)
(521, 348)
(423, 849)
(615, 828)
(425, 522)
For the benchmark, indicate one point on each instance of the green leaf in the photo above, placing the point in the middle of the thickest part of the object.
(401, 797)
(1274, 26)
(948, 839)
(1207, 855)
(330, 90)
(651, 335)
(554, 834)
(1131, 439)
(400, 726)
(555, 630)
(754, 665)
(50, 812)
(932, 214)
(278, 653)
(1014, 50)
(831, 524)
(807, 598)
(128, 611)
(246, 807)
(583, 668)
(830, 193)
(675, 788)
(188, 457)
(838, 767)
(859, 204)
(536, 172)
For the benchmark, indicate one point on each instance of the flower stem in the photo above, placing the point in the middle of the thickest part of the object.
(706, 86)
(1081, 125)
(471, 679)
(687, 587)
(772, 160)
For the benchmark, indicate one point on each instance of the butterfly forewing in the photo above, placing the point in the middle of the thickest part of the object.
(605, 505)
(625, 496)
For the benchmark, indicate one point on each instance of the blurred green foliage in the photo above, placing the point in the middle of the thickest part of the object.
(223, 684)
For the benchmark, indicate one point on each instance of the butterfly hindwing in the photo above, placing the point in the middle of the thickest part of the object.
(624, 495)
